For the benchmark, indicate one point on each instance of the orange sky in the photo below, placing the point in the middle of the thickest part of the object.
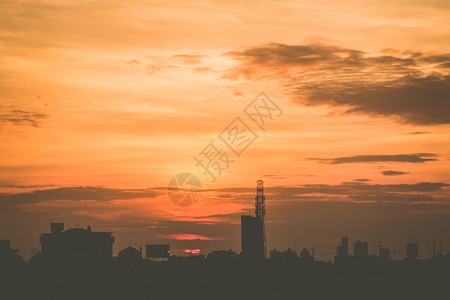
(102, 102)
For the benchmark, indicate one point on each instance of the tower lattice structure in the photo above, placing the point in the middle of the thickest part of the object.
(260, 210)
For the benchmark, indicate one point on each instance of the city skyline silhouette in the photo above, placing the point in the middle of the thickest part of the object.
(253, 242)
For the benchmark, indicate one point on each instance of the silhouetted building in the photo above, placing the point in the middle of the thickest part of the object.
(252, 240)
(359, 258)
(157, 251)
(190, 258)
(5, 244)
(288, 254)
(275, 253)
(76, 244)
(342, 249)
(8, 254)
(360, 248)
(56, 227)
(221, 254)
(130, 255)
(412, 251)
(6, 250)
(253, 235)
(385, 255)
(306, 256)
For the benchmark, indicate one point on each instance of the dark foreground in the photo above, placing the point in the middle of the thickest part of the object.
(227, 279)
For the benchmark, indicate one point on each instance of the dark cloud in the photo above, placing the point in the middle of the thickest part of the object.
(21, 117)
(277, 55)
(394, 85)
(393, 173)
(342, 189)
(415, 100)
(402, 158)
(26, 186)
(419, 132)
(76, 193)
(393, 198)
(347, 188)
(444, 66)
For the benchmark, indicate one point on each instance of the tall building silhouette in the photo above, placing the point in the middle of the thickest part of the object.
(412, 251)
(385, 255)
(360, 248)
(342, 249)
(253, 235)
(252, 242)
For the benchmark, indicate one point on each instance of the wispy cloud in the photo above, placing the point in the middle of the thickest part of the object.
(21, 117)
(393, 173)
(157, 64)
(419, 132)
(400, 158)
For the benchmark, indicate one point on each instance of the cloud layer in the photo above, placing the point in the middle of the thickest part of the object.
(77, 193)
(356, 191)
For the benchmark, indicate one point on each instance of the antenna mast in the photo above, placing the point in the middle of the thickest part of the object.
(260, 210)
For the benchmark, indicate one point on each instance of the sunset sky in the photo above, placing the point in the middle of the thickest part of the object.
(103, 102)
